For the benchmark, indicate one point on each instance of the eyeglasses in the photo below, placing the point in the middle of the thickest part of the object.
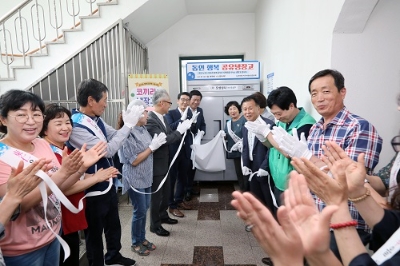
(23, 118)
(168, 102)
(396, 143)
(184, 100)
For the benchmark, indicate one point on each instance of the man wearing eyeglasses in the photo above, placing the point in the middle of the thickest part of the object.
(157, 124)
(179, 170)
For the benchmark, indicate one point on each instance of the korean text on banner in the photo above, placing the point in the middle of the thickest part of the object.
(143, 86)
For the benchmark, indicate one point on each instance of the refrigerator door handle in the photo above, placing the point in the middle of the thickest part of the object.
(219, 126)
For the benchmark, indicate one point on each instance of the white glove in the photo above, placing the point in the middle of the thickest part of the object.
(260, 130)
(202, 133)
(131, 116)
(238, 146)
(184, 114)
(262, 172)
(246, 170)
(223, 134)
(194, 116)
(291, 144)
(157, 141)
(185, 125)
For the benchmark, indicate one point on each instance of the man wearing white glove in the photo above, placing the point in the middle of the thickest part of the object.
(157, 124)
(92, 99)
(157, 141)
(255, 154)
(291, 120)
(198, 123)
(179, 170)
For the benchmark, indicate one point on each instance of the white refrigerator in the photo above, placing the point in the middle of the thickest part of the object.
(218, 89)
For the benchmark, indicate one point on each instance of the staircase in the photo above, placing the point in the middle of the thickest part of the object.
(39, 36)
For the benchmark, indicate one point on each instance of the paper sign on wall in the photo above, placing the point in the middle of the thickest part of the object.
(143, 86)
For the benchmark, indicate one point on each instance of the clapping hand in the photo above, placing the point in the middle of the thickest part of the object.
(291, 144)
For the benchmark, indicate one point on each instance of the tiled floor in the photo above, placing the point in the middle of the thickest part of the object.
(211, 234)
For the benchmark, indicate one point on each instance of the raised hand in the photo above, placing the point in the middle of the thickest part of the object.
(342, 165)
(184, 114)
(332, 191)
(71, 163)
(281, 242)
(312, 226)
(94, 154)
(23, 181)
(158, 141)
(194, 116)
(131, 116)
(260, 130)
(291, 144)
(105, 174)
(185, 125)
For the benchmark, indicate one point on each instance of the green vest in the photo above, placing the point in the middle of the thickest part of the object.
(279, 165)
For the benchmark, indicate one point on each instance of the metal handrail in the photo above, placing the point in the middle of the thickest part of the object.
(14, 10)
(31, 25)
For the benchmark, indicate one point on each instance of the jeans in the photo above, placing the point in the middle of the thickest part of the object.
(140, 203)
(45, 256)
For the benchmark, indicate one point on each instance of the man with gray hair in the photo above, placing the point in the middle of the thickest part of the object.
(157, 124)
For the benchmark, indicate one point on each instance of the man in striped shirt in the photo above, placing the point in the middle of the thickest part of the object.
(353, 133)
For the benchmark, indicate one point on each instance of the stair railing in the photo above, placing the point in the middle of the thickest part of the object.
(28, 27)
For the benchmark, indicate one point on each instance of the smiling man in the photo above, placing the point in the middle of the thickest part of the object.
(353, 134)
(283, 105)
(101, 211)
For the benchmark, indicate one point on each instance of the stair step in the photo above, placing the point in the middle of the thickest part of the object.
(7, 79)
(20, 67)
(55, 42)
(108, 3)
(72, 30)
(38, 54)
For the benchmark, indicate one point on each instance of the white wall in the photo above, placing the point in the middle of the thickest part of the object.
(294, 40)
(200, 35)
(7, 5)
(370, 63)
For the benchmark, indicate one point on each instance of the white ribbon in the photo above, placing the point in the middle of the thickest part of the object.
(248, 171)
(234, 137)
(12, 157)
(88, 122)
(166, 175)
(393, 176)
(388, 250)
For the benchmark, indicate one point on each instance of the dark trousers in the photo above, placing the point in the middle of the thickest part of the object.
(178, 176)
(102, 214)
(190, 178)
(260, 188)
(364, 236)
(72, 240)
(242, 180)
(159, 201)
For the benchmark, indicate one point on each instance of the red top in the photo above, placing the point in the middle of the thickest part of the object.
(73, 222)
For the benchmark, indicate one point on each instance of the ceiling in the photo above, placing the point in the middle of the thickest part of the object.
(156, 16)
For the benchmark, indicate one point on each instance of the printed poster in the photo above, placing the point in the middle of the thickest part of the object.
(143, 86)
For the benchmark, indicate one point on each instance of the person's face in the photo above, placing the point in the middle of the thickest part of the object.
(195, 101)
(21, 130)
(285, 116)
(143, 119)
(250, 110)
(59, 130)
(97, 108)
(325, 97)
(183, 102)
(165, 105)
(233, 112)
